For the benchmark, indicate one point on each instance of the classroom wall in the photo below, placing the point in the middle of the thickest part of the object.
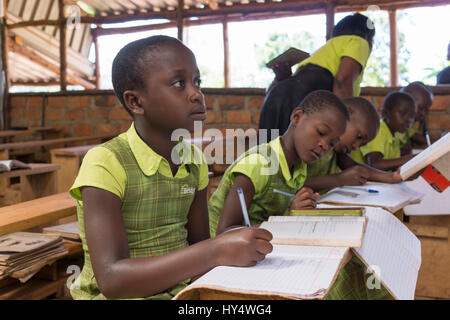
(98, 111)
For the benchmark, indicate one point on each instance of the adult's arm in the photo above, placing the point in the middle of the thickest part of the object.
(348, 72)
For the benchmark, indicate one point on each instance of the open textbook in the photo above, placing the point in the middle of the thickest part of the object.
(317, 230)
(391, 252)
(438, 156)
(8, 165)
(391, 197)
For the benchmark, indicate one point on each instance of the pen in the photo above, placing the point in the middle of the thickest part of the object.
(284, 193)
(427, 136)
(359, 189)
(290, 195)
(244, 207)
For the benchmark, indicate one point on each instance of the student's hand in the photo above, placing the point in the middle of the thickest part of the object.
(242, 247)
(282, 71)
(395, 176)
(354, 176)
(304, 199)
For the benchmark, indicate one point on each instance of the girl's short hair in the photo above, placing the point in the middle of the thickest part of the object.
(355, 24)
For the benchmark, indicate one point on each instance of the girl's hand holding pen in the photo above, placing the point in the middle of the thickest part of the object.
(304, 199)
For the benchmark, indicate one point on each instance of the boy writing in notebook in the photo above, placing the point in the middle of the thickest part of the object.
(337, 168)
(316, 125)
(142, 215)
(398, 113)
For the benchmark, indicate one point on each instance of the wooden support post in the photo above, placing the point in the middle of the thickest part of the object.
(4, 123)
(393, 47)
(226, 54)
(180, 10)
(330, 18)
(62, 47)
(97, 60)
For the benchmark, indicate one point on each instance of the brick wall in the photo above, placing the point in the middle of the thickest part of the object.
(98, 112)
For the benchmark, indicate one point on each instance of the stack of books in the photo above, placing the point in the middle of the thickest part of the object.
(23, 254)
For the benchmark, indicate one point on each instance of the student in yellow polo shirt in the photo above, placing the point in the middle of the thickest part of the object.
(415, 136)
(337, 168)
(383, 152)
(337, 66)
(317, 123)
(142, 209)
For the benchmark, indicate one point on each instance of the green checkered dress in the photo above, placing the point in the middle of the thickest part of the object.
(154, 210)
(264, 204)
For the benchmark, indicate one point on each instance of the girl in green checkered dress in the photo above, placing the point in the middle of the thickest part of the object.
(142, 209)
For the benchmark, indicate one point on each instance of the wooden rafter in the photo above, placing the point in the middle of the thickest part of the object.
(48, 64)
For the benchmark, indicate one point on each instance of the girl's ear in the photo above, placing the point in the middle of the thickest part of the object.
(296, 115)
(132, 102)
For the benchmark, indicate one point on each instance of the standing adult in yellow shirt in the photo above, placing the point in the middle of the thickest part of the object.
(337, 66)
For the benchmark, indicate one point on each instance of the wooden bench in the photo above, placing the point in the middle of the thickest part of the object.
(38, 181)
(6, 148)
(43, 131)
(70, 160)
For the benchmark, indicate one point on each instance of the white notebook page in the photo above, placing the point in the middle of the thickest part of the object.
(297, 271)
(310, 227)
(394, 251)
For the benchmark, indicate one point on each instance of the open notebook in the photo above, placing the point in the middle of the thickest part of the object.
(439, 149)
(391, 197)
(300, 272)
(313, 230)
(391, 252)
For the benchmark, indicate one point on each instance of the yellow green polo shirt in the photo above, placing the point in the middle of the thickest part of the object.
(329, 55)
(384, 143)
(404, 137)
(101, 168)
(324, 166)
(357, 156)
(266, 167)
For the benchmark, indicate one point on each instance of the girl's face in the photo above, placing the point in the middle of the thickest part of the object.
(317, 133)
(171, 98)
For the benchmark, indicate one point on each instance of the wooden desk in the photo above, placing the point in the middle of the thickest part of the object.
(44, 131)
(70, 160)
(5, 148)
(38, 181)
(434, 273)
(36, 213)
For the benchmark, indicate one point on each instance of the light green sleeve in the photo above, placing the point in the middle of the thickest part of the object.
(100, 169)
(203, 179)
(251, 166)
(376, 145)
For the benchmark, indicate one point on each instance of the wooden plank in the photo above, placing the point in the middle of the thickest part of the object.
(226, 55)
(30, 131)
(428, 231)
(34, 213)
(50, 142)
(180, 26)
(330, 18)
(393, 47)
(62, 47)
(34, 289)
(36, 168)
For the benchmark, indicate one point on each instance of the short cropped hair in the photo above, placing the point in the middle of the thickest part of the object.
(365, 108)
(417, 85)
(397, 99)
(355, 24)
(321, 100)
(132, 62)
(443, 77)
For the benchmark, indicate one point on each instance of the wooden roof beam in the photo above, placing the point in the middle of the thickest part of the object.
(50, 65)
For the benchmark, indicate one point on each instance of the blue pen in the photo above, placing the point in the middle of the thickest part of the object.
(427, 136)
(360, 189)
(287, 194)
(243, 206)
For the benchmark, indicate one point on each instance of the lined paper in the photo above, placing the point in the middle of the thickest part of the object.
(313, 227)
(392, 197)
(394, 249)
(302, 272)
